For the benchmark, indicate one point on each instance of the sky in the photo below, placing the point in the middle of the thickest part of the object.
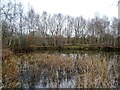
(86, 8)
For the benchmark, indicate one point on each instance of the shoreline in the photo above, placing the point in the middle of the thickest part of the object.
(68, 47)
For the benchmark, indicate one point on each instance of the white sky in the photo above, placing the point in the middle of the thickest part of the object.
(86, 8)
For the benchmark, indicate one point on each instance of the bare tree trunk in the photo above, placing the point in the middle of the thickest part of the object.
(118, 40)
(54, 41)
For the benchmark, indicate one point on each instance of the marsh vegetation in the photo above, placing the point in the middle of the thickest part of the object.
(61, 70)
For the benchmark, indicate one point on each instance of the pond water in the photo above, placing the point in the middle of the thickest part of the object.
(69, 70)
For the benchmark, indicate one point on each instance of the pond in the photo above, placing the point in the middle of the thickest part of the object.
(52, 69)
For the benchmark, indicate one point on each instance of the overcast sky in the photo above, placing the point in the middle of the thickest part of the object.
(86, 8)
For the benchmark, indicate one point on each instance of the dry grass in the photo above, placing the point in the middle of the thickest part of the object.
(95, 73)
(49, 61)
(6, 53)
(91, 72)
(10, 72)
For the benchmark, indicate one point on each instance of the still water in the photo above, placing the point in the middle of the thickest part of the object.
(69, 70)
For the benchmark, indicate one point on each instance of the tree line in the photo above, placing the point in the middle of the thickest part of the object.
(21, 28)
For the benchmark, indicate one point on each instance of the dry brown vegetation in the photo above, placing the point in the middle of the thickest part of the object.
(90, 72)
(10, 72)
(6, 53)
(95, 73)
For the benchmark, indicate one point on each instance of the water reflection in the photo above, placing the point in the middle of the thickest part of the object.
(41, 74)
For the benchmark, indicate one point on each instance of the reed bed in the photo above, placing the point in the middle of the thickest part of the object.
(90, 72)
(10, 71)
(94, 73)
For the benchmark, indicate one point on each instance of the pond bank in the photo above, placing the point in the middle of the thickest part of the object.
(68, 47)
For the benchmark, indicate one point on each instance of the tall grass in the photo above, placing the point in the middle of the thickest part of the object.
(90, 72)
(9, 70)
(94, 73)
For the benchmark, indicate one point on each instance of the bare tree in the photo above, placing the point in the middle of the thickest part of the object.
(31, 23)
(21, 23)
(58, 28)
(9, 15)
(69, 28)
(91, 31)
(57, 21)
(51, 28)
(114, 29)
(44, 27)
(79, 26)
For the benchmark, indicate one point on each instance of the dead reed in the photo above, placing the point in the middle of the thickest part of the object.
(10, 72)
(94, 73)
(90, 72)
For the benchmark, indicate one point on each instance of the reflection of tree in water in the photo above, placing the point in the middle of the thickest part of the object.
(28, 75)
(55, 76)
(29, 79)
